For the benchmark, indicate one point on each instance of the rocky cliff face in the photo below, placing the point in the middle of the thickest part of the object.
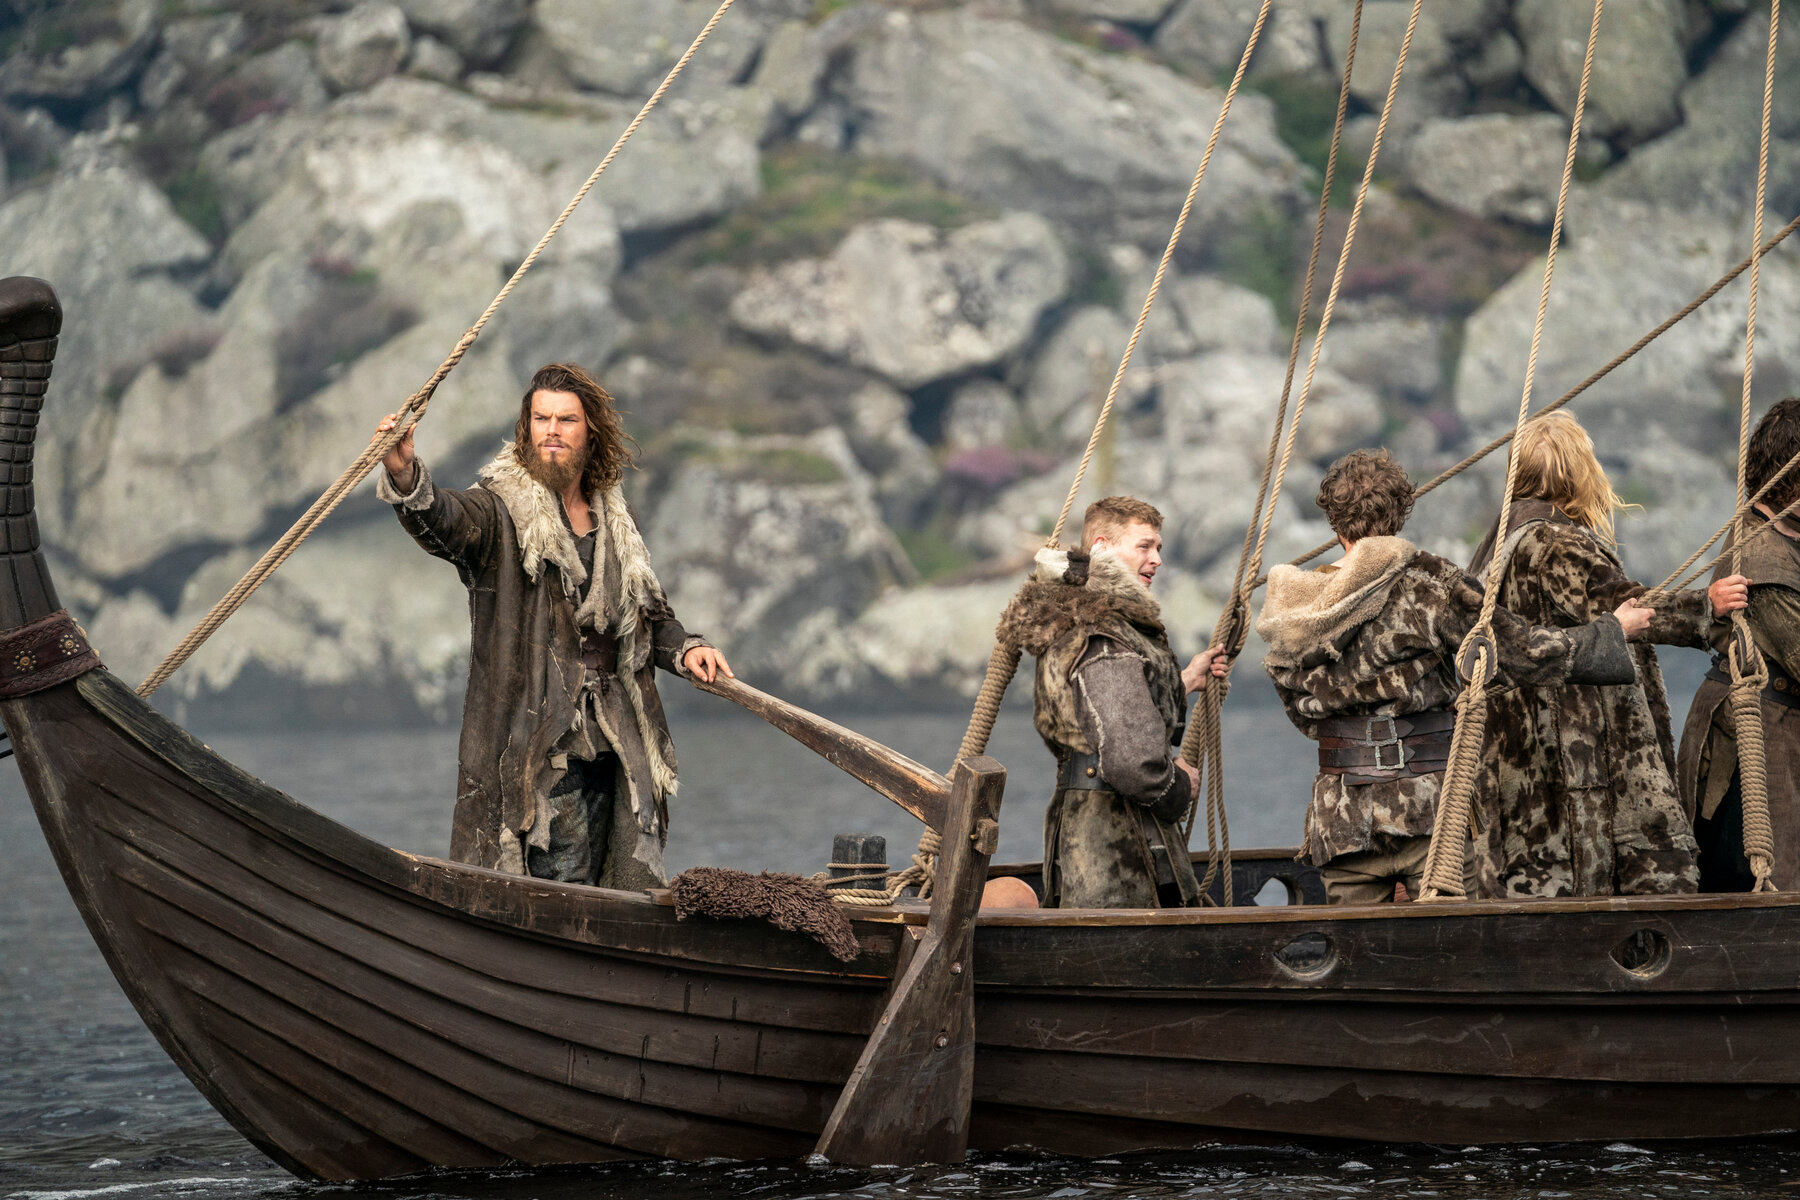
(860, 282)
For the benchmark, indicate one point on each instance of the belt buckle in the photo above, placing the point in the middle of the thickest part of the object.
(1392, 739)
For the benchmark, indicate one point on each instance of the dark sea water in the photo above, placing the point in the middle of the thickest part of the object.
(91, 1107)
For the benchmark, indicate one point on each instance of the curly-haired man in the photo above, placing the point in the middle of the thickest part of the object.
(1362, 654)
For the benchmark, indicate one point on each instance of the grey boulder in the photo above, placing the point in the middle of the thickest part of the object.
(363, 46)
(1639, 62)
(1018, 118)
(1494, 165)
(912, 303)
(478, 30)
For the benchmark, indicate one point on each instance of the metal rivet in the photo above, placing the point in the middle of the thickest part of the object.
(956, 968)
(1090, 772)
(942, 1041)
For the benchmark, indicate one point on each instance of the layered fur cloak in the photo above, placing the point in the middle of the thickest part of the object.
(1375, 635)
(1107, 684)
(1577, 793)
(527, 708)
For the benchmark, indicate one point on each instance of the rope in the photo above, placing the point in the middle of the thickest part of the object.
(1749, 673)
(1210, 728)
(1202, 746)
(413, 411)
(1162, 269)
(1617, 361)
(922, 873)
(1003, 662)
(1444, 860)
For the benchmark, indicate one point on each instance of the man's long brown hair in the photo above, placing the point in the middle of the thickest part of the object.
(609, 446)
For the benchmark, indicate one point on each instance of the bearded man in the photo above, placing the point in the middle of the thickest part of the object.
(566, 766)
(1362, 654)
(1110, 703)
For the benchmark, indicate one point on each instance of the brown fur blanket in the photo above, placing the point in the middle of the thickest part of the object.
(784, 901)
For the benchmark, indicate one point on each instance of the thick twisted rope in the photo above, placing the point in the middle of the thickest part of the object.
(1477, 658)
(921, 873)
(1618, 360)
(413, 410)
(1749, 673)
(1209, 725)
(1202, 746)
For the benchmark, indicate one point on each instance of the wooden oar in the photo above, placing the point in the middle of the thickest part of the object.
(913, 786)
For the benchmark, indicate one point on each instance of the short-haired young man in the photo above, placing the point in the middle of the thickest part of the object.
(1707, 770)
(566, 766)
(1362, 654)
(1110, 700)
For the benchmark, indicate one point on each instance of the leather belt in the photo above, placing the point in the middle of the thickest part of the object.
(1377, 749)
(599, 652)
(1080, 772)
(1781, 688)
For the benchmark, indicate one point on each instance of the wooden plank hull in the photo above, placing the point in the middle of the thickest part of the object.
(358, 1012)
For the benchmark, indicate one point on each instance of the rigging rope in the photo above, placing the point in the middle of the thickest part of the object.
(413, 411)
(1749, 673)
(1618, 360)
(1003, 663)
(1202, 746)
(1477, 658)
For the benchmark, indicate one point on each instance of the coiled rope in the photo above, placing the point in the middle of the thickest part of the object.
(1749, 673)
(1476, 660)
(413, 411)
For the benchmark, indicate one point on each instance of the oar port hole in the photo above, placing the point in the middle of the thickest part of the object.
(1308, 956)
(1644, 954)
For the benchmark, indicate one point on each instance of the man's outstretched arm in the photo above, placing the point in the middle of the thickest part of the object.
(457, 526)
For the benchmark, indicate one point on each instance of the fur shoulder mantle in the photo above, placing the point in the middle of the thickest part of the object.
(1305, 610)
(1069, 592)
(544, 536)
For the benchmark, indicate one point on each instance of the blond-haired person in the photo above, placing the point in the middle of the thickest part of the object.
(1577, 797)
(1109, 702)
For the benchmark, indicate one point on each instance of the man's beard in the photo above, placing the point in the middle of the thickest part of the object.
(556, 475)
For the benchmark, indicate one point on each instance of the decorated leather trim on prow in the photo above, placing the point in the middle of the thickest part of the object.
(49, 651)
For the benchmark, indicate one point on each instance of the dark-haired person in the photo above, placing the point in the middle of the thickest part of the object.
(1577, 796)
(1708, 766)
(1109, 702)
(1362, 652)
(565, 766)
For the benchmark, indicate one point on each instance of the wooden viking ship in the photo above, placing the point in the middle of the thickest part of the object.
(357, 1012)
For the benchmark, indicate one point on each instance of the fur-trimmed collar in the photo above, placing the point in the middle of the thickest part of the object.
(1304, 611)
(1069, 590)
(544, 536)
